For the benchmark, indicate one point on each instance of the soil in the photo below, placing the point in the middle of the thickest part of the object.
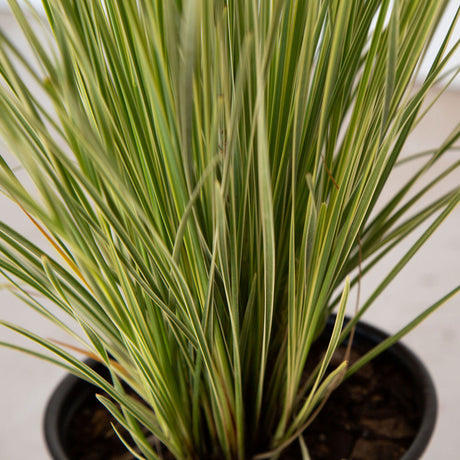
(373, 415)
(91, 436)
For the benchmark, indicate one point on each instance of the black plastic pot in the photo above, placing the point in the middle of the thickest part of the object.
(73, 392)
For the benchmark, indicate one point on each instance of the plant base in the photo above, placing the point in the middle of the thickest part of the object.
(387, 410)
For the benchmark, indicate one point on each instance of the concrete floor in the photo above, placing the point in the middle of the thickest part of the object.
(26, 382)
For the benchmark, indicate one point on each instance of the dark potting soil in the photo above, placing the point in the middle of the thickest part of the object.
(373, 415)
(90, 435)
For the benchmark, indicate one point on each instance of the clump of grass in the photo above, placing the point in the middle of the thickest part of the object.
(207, 179)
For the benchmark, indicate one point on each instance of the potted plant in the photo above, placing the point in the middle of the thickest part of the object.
(208, 182)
